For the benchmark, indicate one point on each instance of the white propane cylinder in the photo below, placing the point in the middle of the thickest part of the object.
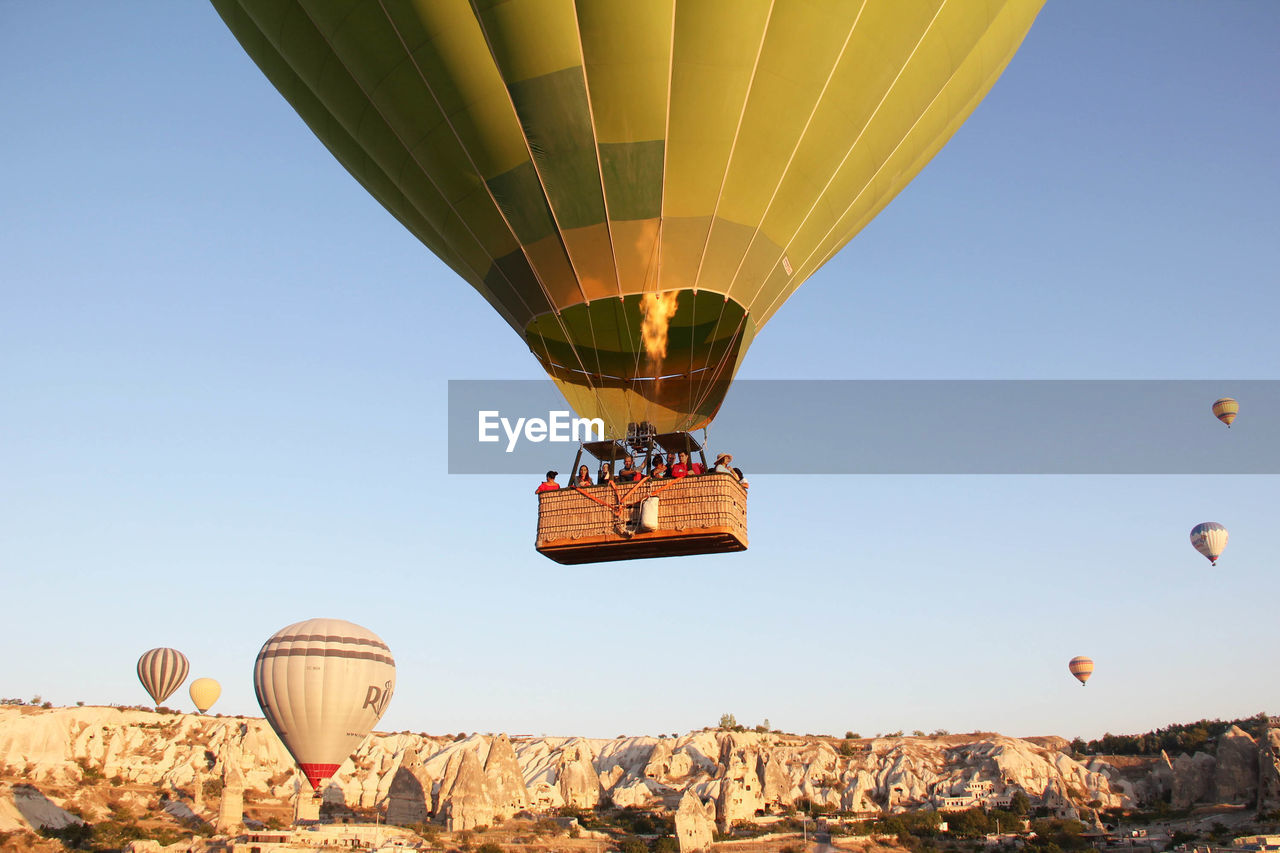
(649, 514)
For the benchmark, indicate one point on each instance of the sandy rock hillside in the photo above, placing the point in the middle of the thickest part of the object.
(478, 780)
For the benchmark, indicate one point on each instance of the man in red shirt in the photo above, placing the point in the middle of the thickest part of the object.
(681, 468)
(550, 484)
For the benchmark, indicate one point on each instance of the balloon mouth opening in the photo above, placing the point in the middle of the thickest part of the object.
(317, 773)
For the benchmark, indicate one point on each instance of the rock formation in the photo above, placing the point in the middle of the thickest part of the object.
(695, 823)
(25, 807)
(658, 765)
(741, 795)
(1235, 775)
(577, 779)
(231, 806)
(1192, 779)
(1269, 768)
(410, 790)
(506, 780)
(776, 786)
(468, 802)
(482, 779)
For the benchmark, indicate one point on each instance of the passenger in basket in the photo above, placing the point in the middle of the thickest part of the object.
(630, 472)
(584, 476)
(681, 468)
(627, 470)
(695, 468)
(723, 467)
(606, 473)
(550, 484)
(659, 470)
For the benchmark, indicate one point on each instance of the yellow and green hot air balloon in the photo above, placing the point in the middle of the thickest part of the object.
(635, 187)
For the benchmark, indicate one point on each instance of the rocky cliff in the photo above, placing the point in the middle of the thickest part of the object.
(482, 779)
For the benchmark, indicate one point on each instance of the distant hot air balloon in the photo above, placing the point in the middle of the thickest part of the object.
(204, 692)
(162, 671)
(635, 186)
(323, 685)
(1209, 538)
(1225, 409)
(1081, 667)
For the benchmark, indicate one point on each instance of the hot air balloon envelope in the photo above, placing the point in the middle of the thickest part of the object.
(162, 671)
(1081, 667)
(1209, 538)
(204, 692)
(635, 187)
(323, 684)
(1225, 409)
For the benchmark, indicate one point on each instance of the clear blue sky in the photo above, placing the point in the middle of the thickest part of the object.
(222, 388)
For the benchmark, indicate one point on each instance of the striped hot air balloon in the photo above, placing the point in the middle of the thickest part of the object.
(204, 692)
(1081, 667)
(635, 186)
(162, 671)
(1225, 409)
(323, 684)
(1209, 538)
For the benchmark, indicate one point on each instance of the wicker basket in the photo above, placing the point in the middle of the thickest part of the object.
(697, 515)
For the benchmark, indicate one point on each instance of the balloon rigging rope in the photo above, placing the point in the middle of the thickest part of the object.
(720, 366)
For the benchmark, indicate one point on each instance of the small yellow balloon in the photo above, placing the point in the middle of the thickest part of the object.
(1081, 667)
(1225, 409)
(204, 692)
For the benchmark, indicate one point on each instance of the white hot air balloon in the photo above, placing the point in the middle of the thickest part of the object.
(1209, 538)
(162, 671)
(323, 684)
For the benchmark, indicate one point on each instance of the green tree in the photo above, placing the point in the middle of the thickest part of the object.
(630, 844)
(970, 823)
(666, 844)
(727, 721)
